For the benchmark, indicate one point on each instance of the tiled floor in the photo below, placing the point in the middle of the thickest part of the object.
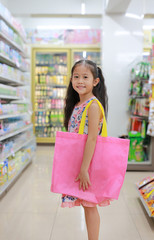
(29, 211)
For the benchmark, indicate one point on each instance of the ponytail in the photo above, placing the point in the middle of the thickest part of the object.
(100, 91)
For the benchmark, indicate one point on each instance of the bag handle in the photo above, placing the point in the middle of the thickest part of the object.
(83, 119)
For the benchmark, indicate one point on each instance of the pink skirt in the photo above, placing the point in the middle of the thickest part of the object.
(70, 201)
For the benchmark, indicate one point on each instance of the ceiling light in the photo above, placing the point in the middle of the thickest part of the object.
(131, 15)
(148, 27)
(84, 54)
(138, 33)
(83, 8)
(46, 27)
(121, 33)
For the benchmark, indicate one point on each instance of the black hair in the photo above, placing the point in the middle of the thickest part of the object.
(99, 91)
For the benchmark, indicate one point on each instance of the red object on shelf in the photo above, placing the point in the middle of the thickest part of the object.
(136, 125)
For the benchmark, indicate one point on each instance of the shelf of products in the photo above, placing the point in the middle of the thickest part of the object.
(7, 17)
(145, 189)
(6, 38)
(151, 114)
(17, 142)
(9, 92)
(12, 57)
(50, 76)
(13, 144)
(13, 76)
(17, 131)
(140, 153)
(8, 110)
(49, 89)
(12, 115)
(12, 170)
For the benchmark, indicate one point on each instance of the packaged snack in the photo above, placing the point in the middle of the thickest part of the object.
(147, 189)
(136, 153)
(3, 172)
(11, 169)
(145, 181)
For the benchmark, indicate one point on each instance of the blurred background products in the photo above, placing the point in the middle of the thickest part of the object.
(50, 78)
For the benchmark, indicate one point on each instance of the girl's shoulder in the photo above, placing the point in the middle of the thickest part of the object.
(94, 106)
(95, 109)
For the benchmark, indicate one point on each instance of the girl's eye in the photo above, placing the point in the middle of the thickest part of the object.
(85, 77)
(75, 76)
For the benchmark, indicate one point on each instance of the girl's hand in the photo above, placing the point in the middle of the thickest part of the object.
(83, 177)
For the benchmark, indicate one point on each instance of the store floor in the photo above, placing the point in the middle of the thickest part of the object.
(29, 211)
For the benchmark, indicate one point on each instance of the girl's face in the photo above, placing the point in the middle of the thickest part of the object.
(83, 80)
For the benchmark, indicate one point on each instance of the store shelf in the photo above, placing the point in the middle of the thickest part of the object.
(11, 25)
(9, 93)
(9, 97)
(7, 60)
(17, 148)
(48, 97)
(144, 203)
(141, 145)
(8, 184)
(51, 64)
(11, 134)
(11, 42)
(140, 163)
(42, 125)
(49, 109)
(20, 101)
(133, 96)
(146, 165)
(140, 79)
(14, 115)
(11, 63)
(45, 140)
(141, 117)
(11, 81)
(50, 85)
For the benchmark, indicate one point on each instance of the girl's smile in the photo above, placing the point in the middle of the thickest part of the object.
(80, 87)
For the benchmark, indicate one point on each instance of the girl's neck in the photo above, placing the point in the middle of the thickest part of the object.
(85, 98)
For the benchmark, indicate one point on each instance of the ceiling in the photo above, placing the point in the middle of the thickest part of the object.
(51, 7)
(72, 8)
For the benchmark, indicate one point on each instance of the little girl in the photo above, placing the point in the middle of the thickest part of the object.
(86, 83)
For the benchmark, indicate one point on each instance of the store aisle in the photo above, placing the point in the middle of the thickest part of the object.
(29, 211)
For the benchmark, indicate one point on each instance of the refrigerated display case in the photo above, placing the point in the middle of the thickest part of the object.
(87, 53)
(50, 70)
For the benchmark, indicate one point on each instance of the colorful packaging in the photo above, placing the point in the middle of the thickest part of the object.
(145, 181)
(3, 172)
(11, 169)
(146, 190)
(136, 153)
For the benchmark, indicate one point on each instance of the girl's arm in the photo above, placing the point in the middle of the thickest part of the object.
(94, 115)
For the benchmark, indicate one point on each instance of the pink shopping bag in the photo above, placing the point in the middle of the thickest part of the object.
(107, 168)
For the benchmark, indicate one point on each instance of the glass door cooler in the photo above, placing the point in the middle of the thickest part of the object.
(87, 53)
(49, 83)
